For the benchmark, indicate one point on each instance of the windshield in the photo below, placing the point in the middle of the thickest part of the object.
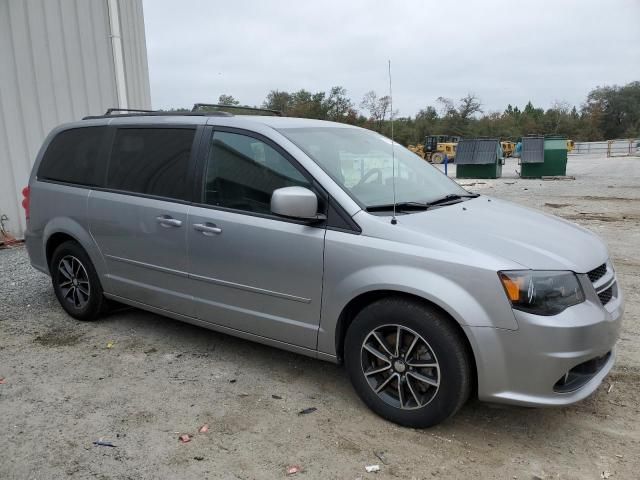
(360, 162)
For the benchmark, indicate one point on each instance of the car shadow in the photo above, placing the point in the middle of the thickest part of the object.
(481, 422)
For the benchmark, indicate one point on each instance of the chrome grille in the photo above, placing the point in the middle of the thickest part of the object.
(597, 273)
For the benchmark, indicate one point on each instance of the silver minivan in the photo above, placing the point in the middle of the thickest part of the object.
(327, 240)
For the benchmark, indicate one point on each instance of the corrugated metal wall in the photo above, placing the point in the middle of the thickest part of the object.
(56, 66)
(136, 69)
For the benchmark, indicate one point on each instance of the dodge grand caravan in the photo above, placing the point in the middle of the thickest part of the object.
(283, 231)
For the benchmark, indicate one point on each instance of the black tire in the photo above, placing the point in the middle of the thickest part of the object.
(437, 158)
(424, 405)
(82, 278)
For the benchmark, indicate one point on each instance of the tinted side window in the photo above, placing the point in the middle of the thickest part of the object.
(154, 161)
(242, 173)
(73, 156)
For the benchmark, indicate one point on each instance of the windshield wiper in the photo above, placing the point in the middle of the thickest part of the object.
(452, 198)
(402, 206)
(417, 206)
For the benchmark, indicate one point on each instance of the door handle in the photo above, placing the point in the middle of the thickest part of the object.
(207, 228)
(167, 221)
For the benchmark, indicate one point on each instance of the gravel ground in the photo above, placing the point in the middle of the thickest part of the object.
(64, 388)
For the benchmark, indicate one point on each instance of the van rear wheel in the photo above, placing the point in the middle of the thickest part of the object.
(407, 362)
(76, 283)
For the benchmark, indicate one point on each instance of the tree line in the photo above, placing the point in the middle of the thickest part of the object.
(608, 112)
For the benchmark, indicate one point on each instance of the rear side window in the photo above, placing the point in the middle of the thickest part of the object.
(153, 161)
(74, 156)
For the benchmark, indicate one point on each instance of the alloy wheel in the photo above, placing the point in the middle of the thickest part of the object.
(400, 367)
(73, 281)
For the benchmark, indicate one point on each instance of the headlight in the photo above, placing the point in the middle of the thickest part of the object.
(542, 292)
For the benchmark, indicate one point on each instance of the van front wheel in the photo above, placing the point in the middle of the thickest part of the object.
(407, 362)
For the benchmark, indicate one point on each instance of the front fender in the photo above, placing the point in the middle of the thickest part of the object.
(471, 294)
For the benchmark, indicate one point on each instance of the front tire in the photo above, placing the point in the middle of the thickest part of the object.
(76, 283)
(407, 362)
(437, 158)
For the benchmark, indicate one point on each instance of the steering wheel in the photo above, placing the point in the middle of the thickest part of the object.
(370, 173)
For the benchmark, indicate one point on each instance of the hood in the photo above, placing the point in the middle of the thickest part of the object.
(502, 229)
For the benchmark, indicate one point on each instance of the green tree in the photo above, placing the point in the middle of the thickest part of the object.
(338, 105)
(608, 112)
(277, 100)
(615, 111)
(377, 107)
(305, 104)
(227, 100)
(468, 106)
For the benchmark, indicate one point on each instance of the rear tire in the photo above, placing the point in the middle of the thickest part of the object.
(421, 380)
(76, 283)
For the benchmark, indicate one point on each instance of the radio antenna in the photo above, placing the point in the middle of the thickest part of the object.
(393, 156)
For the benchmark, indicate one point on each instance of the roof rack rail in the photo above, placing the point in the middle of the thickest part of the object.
(136, 110)
(198, 106)
(155, 113)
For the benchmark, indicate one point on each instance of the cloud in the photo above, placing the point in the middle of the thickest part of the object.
(503, 51)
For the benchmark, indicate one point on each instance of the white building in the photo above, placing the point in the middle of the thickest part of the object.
(60, 61)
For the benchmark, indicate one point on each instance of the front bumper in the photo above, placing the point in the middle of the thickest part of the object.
(530, 366)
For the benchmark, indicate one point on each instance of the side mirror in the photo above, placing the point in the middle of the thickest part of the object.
(295, 202)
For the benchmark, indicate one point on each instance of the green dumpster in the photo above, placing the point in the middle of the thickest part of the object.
(543, 156)
(478, 158)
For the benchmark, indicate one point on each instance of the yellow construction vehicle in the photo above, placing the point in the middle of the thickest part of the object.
(435, 148)
(570, 145)
(507, 148)
(417, 149)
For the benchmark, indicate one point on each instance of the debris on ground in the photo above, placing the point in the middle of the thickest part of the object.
(610, 387)
(381, 457)
(293, 469)
(372, 468)
(198, 458)
(204, 428)
(110, 344)
(102, 443)
(151, 350)
(277, 397)
(233, 380)
(558, 177)
(307, 411)
(2, 380)
(6, 239)
(605, 474)
(185, 438)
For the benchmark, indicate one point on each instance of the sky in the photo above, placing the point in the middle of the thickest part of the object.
(502, 51)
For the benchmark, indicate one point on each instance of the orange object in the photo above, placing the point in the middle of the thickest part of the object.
(512, 287)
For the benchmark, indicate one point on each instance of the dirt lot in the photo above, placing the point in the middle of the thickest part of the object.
(64, 388)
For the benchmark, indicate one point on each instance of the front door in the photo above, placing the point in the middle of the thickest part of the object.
(140, 220)
(251, 270)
